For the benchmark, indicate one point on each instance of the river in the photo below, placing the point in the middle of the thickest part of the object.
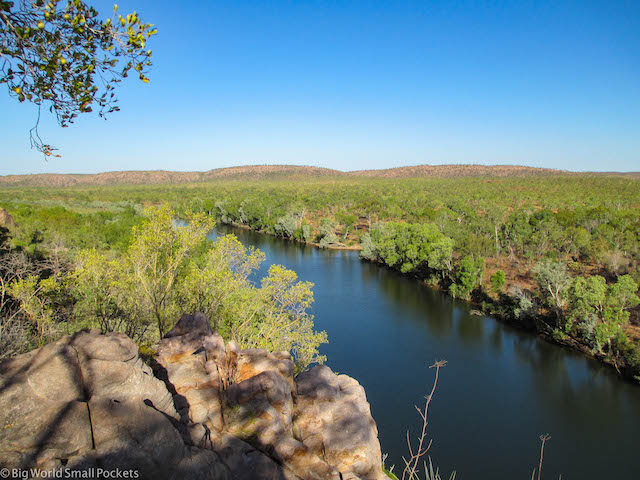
(500, 390)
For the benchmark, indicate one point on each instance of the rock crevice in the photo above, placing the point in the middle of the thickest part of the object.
(205, 410)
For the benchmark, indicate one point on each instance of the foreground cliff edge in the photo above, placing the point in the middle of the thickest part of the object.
(205, 410)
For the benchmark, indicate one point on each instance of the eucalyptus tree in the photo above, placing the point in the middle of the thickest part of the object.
(599, 310)
(553, 280)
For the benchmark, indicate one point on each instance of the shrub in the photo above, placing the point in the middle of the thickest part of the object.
(286, 226)
(498, 282)
(469, 273)
(369, 250)
(553, 280)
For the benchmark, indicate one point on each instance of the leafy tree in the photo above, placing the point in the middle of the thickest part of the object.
(34, 297)
(169, 271)
(285, 323)
(495, 215)
(622, 295)
(222, 212)
(588, 295)
(106, 293)
(587, 302)
(369, 250)
(348, 221)
(601, 309)
(469, 277)
(579, 240)
(158, 257)
(498, 282)
(326, 235)
(412, 246)
(216, 284)
(41, 303)
(286, 226)
(304, 233)
(553, 280)
(61, 55)
(273, 316)
(525, 308)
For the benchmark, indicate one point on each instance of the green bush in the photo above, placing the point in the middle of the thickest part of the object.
(498, 282)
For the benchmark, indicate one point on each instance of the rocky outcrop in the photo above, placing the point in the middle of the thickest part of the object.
(84, 399)
(334, 420)
(6, 220)
(206, 410)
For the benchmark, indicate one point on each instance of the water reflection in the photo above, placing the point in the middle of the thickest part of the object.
(470, 327)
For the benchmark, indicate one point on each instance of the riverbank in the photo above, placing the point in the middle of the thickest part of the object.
(336, 246)
(500, 382)
(501, 308)
(566, 342)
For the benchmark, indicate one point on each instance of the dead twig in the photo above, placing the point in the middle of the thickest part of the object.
(410, 471)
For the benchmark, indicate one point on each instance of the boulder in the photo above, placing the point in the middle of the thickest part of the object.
(6, 220)
(205, 410)
(192, 362)
(88, 400)
(333, 418)
(130, 434)
(253, 361)
(248, 463)
(194, 325)
(110, 367)
(250, 396)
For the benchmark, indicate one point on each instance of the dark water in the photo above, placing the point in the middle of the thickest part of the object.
(500, 390)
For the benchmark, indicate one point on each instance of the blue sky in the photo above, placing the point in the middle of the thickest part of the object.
(363, 84)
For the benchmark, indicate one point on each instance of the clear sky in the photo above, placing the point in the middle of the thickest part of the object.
(362, 84)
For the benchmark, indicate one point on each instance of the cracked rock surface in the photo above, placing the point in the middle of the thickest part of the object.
(205, 410)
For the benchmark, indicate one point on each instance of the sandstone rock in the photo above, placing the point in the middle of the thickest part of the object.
(197, 325)
(333, 418)
(88, 400)
(111, 367)
(128, 434)
(246, 462)
(259, 409)
(6, 220)
(199, 436)
(256, 389)
(216, 352)
(33, 433)
(205, 411)
(252, 362)
(199, 464)
(193, 365)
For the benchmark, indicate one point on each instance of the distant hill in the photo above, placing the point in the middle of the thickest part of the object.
(453, 171)
(107, 178)
(157, 177)
(457, 171)
(270, 171)
(275, 172)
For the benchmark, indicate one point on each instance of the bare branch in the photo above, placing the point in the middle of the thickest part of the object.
(410, 471)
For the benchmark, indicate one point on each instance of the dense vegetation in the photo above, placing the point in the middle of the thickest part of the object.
(142, 282)
(558, 254)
